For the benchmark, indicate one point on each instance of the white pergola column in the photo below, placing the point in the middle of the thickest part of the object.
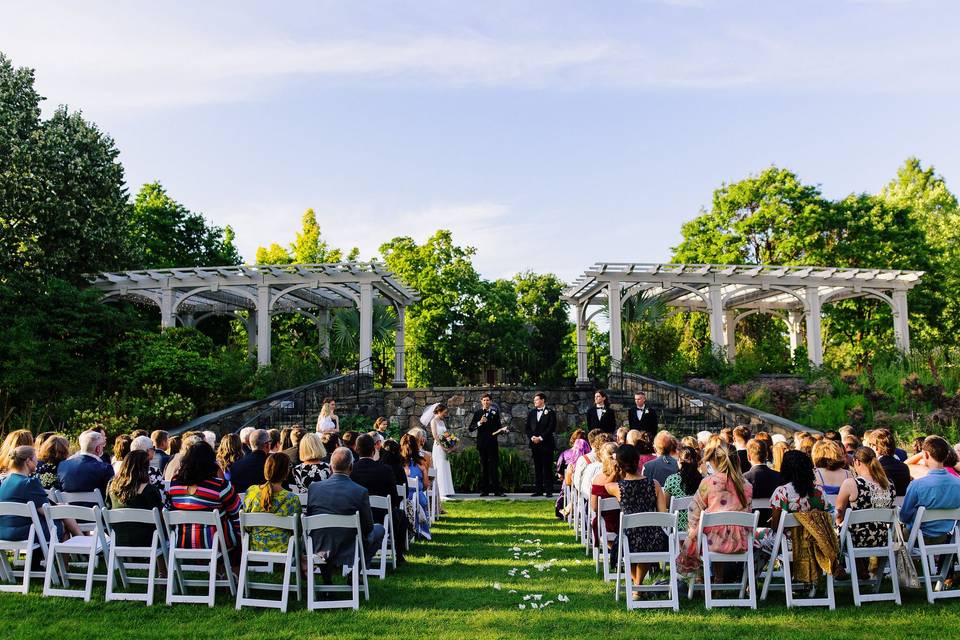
(715, 298)
(730, 334)
(251, 323)
(793, 330)
(901, 324)
(167, 319)
(616, 329)
(582, 347)
(324, 329)
(263, 325)
(366, 327)
(399, 356)
(814, 339)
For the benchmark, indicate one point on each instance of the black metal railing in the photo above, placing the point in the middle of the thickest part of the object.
(284, 408)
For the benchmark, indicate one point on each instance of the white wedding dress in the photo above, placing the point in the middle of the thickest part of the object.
(441, 464)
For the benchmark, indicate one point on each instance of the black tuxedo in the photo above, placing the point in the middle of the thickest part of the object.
(764, 481)
(607, 421)
(646, 423)
(542, 424)
(248, 471)
(488, 447)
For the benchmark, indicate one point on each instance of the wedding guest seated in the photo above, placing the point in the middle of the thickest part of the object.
(607, 457)
(248, 470)
(799, 493)
(740, 436)
(313, 468)
(245, 438)
(830, 466)
(644, 447)
(665, 465)
(211, 439)
(421, 436)
(762, 478)
(415, 466)
(622, 435)
(638, 494)
(340, 495)
(724, 490)
(186, 441)
(121, 447)
(576, 476)
(870, 489)
(593, 468)
(568, 458)
(14, 439)
(851, 443)
(285, 442)
(53, 451)
(199, 487)
(885, 444)
(154, 477)
(349, 440)
(779, 449)
(390, 456)
(684, 482)
(275, 437)
(769, 441)
(161, 442)
(378, 480)
(229, 451)
(272, 497)
(936, 490)
(20, 486)
(131, 489)
(293, 451)
(86, 470)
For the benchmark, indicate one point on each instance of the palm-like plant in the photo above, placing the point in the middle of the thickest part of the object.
(345, 328)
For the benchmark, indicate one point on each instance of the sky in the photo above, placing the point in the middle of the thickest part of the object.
(547, 135)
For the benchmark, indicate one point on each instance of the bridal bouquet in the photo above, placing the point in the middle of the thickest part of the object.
(449, 441)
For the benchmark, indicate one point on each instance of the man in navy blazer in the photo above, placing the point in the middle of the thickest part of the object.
(86, 471)
(339, 495)
(248, 470)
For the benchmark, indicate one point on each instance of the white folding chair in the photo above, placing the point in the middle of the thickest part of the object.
(388, 547)
(35, 542)
(727, 518)
(155, 554)
(607, 505)
(287, 559)
(92, 546)
(84, 499)
(676, 506)
(402, 492)
(433, 495)
(783, 552)
(934, 582)
(357, 570)
(413, 484)
(627, 558)
(303, 498)
(851, 553)
(217, 553)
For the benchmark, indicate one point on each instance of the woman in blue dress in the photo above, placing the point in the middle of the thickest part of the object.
(416, 467)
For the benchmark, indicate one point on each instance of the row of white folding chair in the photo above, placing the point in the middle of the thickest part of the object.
(626, 558)
(357, 570)
(605, 538)
(13, 568)
(261, 561)
(927, 552)
(388, 546)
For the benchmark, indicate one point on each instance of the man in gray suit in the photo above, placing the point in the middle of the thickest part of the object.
(664, 465)
(339, 495)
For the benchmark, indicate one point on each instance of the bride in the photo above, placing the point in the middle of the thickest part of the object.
(434, 416)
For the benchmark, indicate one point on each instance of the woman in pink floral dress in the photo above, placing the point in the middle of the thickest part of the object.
(723, 490)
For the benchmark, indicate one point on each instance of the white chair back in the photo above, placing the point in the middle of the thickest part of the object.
(628, 557)
(388, 546)
(317, 522)
(217, 554)
(90, 546)
(851, 553)
(934, 578)
(263, 561)
(736, 519)
(154, 553)
(782, 551)
(33, 543)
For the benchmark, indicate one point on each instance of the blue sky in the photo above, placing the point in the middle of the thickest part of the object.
(548, 135)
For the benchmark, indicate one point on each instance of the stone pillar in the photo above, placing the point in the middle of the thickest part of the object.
(263, 325)
(583, 378)
(901, 324)
(399, 357)
(366, 327)
(167, 319)
(793, 329)
(730, 334)
(616, 330)
(715, 298)
(814, 339)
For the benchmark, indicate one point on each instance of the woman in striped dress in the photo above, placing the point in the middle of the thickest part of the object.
(199, 487)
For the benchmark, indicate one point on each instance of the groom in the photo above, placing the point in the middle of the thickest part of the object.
(486, 422)
(541, 424)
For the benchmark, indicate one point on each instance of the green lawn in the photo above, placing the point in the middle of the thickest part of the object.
(447, 591)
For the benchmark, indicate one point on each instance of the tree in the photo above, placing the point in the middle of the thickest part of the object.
(308, 247)
(165, 234)
(63, 204)
(546, 317)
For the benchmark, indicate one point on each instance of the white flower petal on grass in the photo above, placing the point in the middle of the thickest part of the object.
(512, 591)
(496, 585)
(521, 606)
(564, 569)
(537, 596)
(562, 598)
(526, 597)
(533, 605)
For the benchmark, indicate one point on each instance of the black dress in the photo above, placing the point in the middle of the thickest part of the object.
(870, 495)
(640, 496)
(134, 534)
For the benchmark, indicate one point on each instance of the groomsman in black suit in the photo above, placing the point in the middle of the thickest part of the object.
(486, 422)
(601, 416)
(642, 417)
(541, 425)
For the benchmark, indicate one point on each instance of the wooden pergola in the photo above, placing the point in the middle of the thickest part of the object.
(729, 293)
(191, 295)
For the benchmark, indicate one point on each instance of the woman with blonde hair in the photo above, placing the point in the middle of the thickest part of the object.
(778, 449)
(312, 468)
(724, 490)
(598, 490)
(328, 420)
(830, 466)
(14, 439)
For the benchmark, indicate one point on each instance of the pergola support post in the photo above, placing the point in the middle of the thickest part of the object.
(251, 324)
(901, 318)
(366, 327)
(263, 325)
(583, 378)
(814, 339)
(324, 329)
(730, 334)
(167, 319)
(793, 329)
(616, 330)
(399, 357)
(715, 299)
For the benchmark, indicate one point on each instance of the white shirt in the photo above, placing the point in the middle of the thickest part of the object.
(582, 463)
(600, 411)
(589, 473)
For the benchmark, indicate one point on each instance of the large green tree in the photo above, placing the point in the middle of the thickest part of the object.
(546, 318)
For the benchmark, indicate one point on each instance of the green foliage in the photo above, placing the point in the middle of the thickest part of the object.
(308, 247)
(465, 467)
(151, 409)
(358, 423)
(164, 234)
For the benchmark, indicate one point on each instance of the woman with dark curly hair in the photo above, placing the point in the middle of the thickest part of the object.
(800, 493)
(199, 487)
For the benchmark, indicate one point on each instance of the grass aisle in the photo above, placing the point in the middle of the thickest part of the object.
(447, 590)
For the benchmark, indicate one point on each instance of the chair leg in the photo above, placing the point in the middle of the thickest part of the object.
(212, 581)
(925, 564)
(854, 578)
(707, 580)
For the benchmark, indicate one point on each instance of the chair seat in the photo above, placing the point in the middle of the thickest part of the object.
(82, 544)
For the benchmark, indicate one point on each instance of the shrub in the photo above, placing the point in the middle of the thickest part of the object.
(465, 468)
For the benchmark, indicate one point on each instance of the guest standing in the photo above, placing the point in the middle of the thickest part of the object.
(641, 417)
(541, 425)
(600, 416)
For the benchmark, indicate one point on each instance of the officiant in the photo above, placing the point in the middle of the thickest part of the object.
(486, 423)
